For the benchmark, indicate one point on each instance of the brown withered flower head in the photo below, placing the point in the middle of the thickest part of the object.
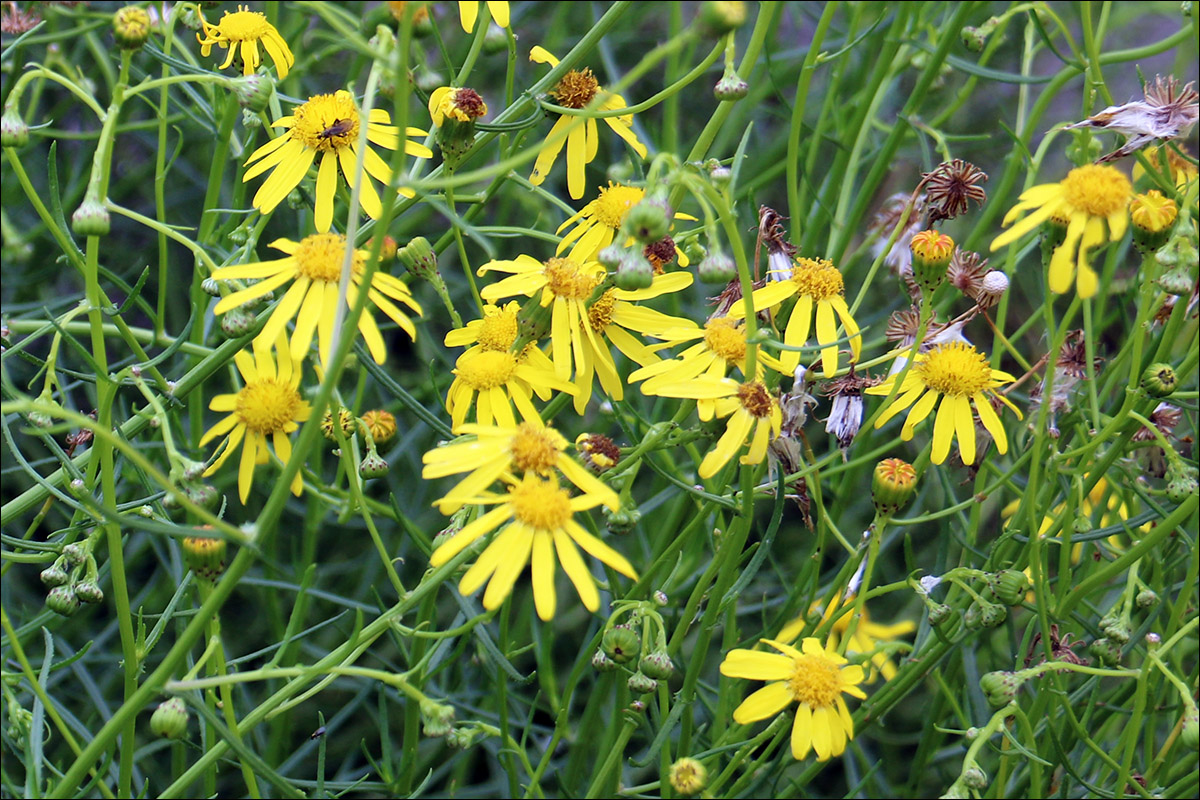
(966, 272)
(1069, 369)
(1168, 112)
(1164, 417)
(949, 188)
(15, 20)
(846, 406)
(660, 253)
(780, 251)
(902, 327)
(899, 257)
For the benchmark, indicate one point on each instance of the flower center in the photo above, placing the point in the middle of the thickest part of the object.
(612, 204)
(487, 369)
(319, 257)
(564, 278)
(600, 313)
(755, 398)
(499, 328)
(955, 369)
(576, 89)
(817, 278)
(242, 25)
(540, 504)
(726, 338)
(815, 681)
(1096, 189)
(463, 105)
(267, 406)
(326, 122)
(535, 449)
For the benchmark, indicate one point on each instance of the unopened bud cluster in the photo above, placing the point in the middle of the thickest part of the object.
(72, 580)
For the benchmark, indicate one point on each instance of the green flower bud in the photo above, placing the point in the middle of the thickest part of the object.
(931, 254)
(634, 271)
(373, 466)
(623, 520)
(91, 218)
(210, 287)
(621, 644)
(610, 257)
(1146, 599)
(973, 618)
(253, 91)
(939, 613)
(975, 778)
(54, 575)
(730, 87)
(1000, 687)
(649, 220)
(131, 27)
(893, 484)
(205, 556)
(202, 494)
(1159, 380)
(1118, 630)
(992, 615)
(716, 267)
(1106, 651)
(973, 39)
(419, 259)
(461, 738)
(74, 554)
(656, 665)
(13, 130)
(1180, 487)
(1082, 523)
(250, 120)
(62, 600)
(237, 322)
(1008, 586)
(436, 719)
(641, 684)
(89, 592)
(602, 663)
(687, 776)
(1176, 281)
(1189, 736)
(170, 719)
(717, 18)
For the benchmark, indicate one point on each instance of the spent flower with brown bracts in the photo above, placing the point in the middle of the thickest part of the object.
(899, 256)
(779, 250)
(950, 186)
(846, 405)
(1070, 368)
(15, 20)
(1168, 112)
(966, 272)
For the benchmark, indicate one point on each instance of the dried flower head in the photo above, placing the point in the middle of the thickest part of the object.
(966, 272)
(1069, 369)
(902, 327)
(1168, 112)
(14, 19)
(899, 257)
(846, 406)
(949, 188)
(1165, 417)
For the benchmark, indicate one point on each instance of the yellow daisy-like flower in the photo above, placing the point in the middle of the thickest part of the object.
(241, 32)
(327, 124)
(813, 676)
(541, 524)
(722, 347)
(1093, 201)
(468, 12)
(496, 380)
(753, 412)
(597, 223)
(962, 374)
(866, 638)
(459, 105)
(813, 282)
(495, 450)
(497, 330)
(268, 405)
(314, 268)
(576, 90)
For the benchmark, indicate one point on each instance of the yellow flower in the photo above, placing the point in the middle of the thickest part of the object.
(540, 517)
(813, 282)
(327, 124)
(241, 32)
(815, 677)
(961, 373)
(268, 405)
(496, 331)
(460, 105)
(495, 450)
(577, 328)
(866, 638)
(498, 378)
(1179, 167)
(576, 90)
(722, 346)
(314, 268)
(599, 221)
(753, 412)
(468, 11)
(1092, 201)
